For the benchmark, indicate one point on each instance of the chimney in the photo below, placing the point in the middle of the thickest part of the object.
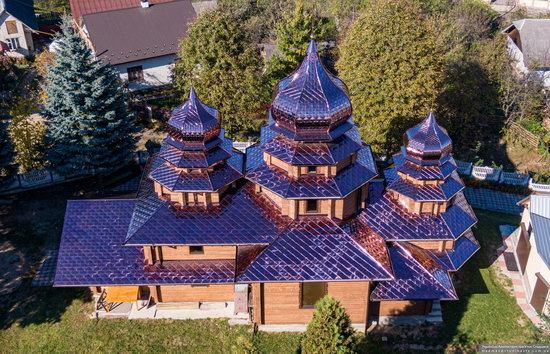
(144, 4)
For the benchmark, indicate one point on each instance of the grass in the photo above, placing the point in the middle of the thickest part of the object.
(486, 312)
(34, 320)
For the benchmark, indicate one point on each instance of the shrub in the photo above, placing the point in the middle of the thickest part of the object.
(330, 329)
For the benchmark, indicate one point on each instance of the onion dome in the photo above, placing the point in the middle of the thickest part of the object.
(193, 125)
(310, 103)
(427, 141)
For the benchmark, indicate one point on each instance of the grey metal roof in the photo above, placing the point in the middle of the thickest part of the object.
(535, 41)
(539, 212)
(127, 35)
(23, 10)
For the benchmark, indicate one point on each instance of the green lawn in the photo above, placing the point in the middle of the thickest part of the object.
(56, 320)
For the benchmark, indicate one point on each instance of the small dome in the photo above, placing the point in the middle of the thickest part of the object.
(194, 121)
(311, 98)
(427, 140)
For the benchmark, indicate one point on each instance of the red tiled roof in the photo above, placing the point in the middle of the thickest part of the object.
(83, 7)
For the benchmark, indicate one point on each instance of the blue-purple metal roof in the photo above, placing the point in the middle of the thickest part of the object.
(307, 154)
(193, 159)
(241, 218)
(314, 186)
(194, 118)
(464, 248)
(394, 223)
(432, 192)
(310, 99)
(91, 252)
(314, 249)
(418, 276)
(427, 140)
(420, 172)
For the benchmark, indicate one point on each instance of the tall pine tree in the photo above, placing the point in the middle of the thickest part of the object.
(88, 125)
(293, 36)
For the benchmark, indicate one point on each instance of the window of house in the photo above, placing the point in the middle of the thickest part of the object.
(135, 73)
(196, 249)
(13, 43)
(311, 169)
(312, 206)
(11, 26)
(311, 293)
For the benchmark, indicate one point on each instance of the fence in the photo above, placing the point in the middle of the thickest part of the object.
(242, 145)
(496, 175)
(41, 178)
(528, 138)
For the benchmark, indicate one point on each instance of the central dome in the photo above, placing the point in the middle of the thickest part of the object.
(311, 102)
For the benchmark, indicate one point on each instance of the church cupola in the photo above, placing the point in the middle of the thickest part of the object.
(427, 142)
(196, 163)
(424, 179)
(311, 103)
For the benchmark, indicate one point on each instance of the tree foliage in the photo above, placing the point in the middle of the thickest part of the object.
(88, 126)
(27, 136)
(390, 63)
(219, 59)
(293, 35)
(329, 331)
(42, 62)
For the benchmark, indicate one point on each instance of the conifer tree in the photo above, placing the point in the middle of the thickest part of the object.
(293, 36)
(224, 66)
(88, 125)
(329, 331)
(391, 66)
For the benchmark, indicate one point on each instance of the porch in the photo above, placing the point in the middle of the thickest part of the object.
(168, 310)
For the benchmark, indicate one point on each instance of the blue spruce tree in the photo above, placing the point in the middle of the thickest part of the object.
(88, 125)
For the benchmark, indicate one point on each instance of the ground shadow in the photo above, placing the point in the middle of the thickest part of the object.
(30, 225)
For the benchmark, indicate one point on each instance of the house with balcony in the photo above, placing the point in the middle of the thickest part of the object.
(140, 38)
(17, 24)
(532, 250)
(262, 238)
(528, 43)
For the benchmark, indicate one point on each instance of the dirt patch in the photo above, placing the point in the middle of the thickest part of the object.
(525, 158)
(12, 268)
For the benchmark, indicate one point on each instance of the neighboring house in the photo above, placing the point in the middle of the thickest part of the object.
(140, 38)
(529, 46)
(17, 24)
(534, 4)
(201, 241)
(532, 250)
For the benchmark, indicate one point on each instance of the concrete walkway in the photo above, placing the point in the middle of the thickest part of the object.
(506, 252)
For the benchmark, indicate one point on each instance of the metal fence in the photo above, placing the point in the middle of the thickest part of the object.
(41, 178)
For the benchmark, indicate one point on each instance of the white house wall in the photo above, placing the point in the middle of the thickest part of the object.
(156, 71)
(535, 264)
(517, 56)
(25, 37)
(537, 4)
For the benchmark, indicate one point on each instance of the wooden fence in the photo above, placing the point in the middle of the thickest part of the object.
(526, 136)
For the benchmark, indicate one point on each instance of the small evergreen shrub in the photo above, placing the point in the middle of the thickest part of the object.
(330, 329)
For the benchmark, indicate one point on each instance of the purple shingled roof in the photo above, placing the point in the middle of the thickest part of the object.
(311, 94)
(315, 249)
(464, 248)
(194, 117)
(241, 218)
(394, 223)
(427, 139)
(418, 276)
(437, 193)
(91, 252)
(316, 186)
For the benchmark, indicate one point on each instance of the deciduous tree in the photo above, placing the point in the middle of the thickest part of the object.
(391, 66)
(218, 58)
